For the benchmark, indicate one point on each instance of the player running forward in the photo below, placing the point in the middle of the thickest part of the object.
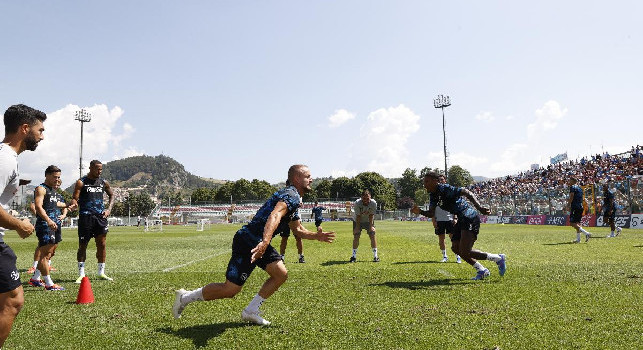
(443, 223)
(251, 248)
(284, 233)
(575, 207)
(318, 213)
(92, 217)
(609, 210)
(466, 232)
(48, 203)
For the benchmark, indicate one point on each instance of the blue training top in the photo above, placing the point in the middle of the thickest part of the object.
(91, 196)
(317, 211)
(50, 204)
(253, 231)
(449, 198)
(577, 201)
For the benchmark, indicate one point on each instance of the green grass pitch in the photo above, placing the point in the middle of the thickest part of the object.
(555, 295)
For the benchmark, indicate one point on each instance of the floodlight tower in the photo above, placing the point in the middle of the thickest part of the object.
(440, 102)
(83, 117)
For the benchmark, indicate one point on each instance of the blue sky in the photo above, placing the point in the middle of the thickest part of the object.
(243, 89)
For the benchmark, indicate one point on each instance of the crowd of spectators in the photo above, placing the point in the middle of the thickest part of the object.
(545, 190)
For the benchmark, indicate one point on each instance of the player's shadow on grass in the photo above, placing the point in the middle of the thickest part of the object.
(201, 334)
(415, 285)
(335, 262)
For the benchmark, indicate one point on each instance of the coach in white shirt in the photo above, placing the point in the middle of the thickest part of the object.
(364, 209)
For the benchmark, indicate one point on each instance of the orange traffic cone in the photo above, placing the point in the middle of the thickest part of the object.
(85, 294)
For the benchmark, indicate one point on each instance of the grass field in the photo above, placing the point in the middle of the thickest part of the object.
(555, 295)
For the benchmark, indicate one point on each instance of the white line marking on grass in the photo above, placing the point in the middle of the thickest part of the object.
(446, 273)
(193, 261)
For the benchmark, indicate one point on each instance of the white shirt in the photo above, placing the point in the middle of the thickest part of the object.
(8, 177)
(442, 215)
(364, 210)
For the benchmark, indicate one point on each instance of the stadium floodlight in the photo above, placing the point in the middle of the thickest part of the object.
(83, 117)
(440, 102)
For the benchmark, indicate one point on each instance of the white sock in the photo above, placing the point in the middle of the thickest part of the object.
(81, 268)
(493, 257)
(583, 231)
(612, 234)
(375, 252)
(36, 275)
(192, 296)
(101, 268)
(478, 266)
(254, 305)
(444, 253)
(49, 262)
(35, 264)
(48, 281)
(578, 235)
(354, 253)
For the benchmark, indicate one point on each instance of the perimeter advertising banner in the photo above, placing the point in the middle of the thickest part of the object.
(625, 221)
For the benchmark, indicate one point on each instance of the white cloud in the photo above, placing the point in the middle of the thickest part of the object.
(514, 159)
(509, 117)
(61, 144)
(340, 117)
(546, 119)
(382, 142)
(485, 116)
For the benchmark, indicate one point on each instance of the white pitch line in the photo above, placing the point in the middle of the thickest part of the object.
(193, 261)
(446, 273)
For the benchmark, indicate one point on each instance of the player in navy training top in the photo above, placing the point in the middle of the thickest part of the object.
(466, 232)
(609, 210)
(47, 205)
(92, 217)
(317, 213)
(575, 206)
(251, 247)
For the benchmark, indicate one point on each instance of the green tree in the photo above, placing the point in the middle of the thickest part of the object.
(344, 188)
(242, 190)
(224, 192)
(381, 190)
(459, 177)
(421, 197)
(409, 183)
(262, 189)
(203, 195)
(323, 189)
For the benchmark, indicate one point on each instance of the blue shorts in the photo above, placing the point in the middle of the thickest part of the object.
(607, 215)
(443, 227)
(46, 235)
(239, 266)
(285, 233)
(576, 215)
(9, 275)
(318, 222)
(464, 223)
(90, 226)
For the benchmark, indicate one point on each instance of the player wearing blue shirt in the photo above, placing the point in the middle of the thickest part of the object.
(466, 232)
(251, 248)
(317, 213)
(92, 217)
(443, 223)
(575, 206)
(47, 204)
(609, 210)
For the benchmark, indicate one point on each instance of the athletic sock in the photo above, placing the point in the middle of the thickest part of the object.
(578, 235)
(192, 296)
(101, 268)
(354, 253)
(81, 268)
(583, 231)
(493, 257)
(36, 275)
(35, 264)
(254, 305)
(478, 266)
(375, 252)
(48, 281)
(444, 253)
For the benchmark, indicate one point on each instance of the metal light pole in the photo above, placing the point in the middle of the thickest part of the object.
(440, 102)
(83, 117)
